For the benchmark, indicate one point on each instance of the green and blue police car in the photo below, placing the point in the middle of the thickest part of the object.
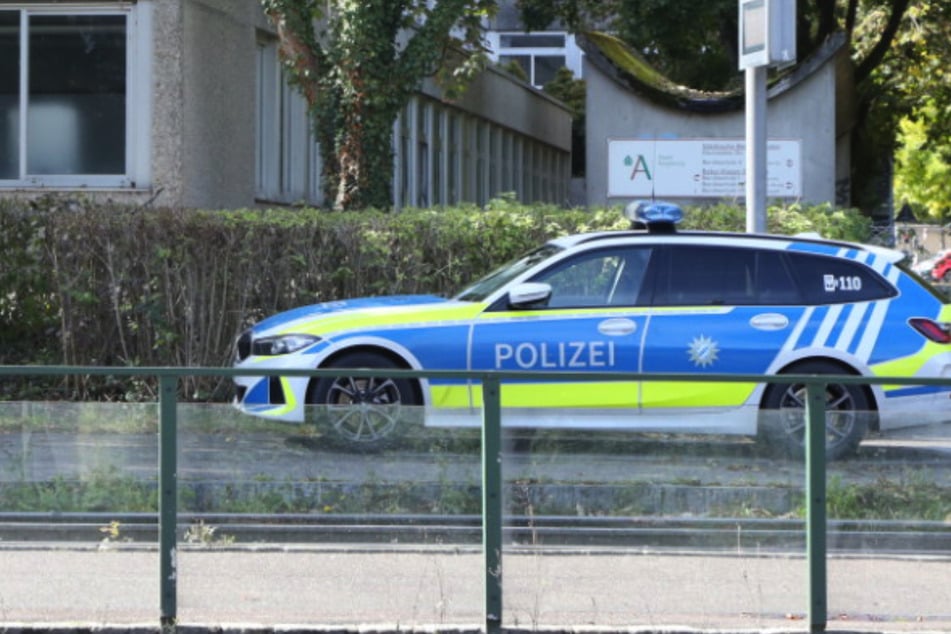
(648, 300)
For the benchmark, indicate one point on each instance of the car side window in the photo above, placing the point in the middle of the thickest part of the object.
(700, 275)
(829, 280)
(607, 277)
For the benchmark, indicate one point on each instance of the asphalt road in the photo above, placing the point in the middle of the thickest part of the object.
(399, 590)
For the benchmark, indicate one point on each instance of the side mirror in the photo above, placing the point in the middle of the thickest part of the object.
(529, 295)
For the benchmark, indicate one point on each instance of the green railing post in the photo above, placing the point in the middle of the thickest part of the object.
(168, 499)
(492, 502)
(816, 503)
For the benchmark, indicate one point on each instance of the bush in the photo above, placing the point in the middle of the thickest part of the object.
(86, 284)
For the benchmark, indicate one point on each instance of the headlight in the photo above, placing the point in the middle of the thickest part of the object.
(282, 344)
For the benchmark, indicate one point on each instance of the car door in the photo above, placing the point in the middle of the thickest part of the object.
(717, 309)
(593, 321)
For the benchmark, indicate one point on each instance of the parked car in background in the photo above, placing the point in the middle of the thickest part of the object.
(941, 271)
(651, 300)
(935, 267)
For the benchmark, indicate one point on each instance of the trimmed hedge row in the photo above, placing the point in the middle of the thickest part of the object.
(85, 284)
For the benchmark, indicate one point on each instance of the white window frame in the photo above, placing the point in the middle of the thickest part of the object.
(572, 53)
(138, 80)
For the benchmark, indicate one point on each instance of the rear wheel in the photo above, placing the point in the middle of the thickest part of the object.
(848, 410)
(363, 412)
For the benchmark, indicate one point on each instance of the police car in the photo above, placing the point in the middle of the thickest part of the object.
(648, 300)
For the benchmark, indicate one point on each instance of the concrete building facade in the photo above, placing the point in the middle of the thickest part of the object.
(183, 103)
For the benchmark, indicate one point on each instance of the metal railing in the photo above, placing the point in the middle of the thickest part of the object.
(491, 459)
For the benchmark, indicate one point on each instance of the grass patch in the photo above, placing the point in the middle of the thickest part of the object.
(888, 500)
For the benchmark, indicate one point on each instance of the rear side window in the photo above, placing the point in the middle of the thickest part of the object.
(700, 275)
(828, 280)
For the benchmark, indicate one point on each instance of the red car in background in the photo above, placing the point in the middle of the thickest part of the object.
(942, 268)
(936, 267)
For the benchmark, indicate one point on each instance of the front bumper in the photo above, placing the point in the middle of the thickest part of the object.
(272, 396)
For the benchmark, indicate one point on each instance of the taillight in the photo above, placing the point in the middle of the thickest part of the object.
(937, 331)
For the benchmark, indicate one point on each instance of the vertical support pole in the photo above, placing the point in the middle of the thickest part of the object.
(492, 502)
(756, 149)
(816, 503)
(168, 500)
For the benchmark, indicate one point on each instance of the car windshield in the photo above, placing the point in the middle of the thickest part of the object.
(499, 277)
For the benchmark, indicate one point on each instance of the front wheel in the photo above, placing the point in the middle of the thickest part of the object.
(848, 410)
(364, 412)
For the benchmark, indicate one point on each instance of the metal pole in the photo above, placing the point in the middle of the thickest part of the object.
(168, 500)
(756, 149)
(816, 503)
(492, 502)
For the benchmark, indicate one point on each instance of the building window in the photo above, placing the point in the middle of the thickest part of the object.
(75, 101)
(403, 157)
(539, 54)
(287, 157)
(424, 165)
(453, 163)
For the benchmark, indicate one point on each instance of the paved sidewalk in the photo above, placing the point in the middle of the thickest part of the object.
(395, 589)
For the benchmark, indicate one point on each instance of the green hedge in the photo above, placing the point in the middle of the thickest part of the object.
(86, 284)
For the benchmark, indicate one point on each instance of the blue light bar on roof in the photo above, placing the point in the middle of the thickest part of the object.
(652, 212)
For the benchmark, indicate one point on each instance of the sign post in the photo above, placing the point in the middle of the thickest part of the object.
(767, 38)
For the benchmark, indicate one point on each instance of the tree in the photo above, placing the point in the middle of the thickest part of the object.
(680, 37)
(923, 168)
(901, 53)
(921, 78)
(694, 45)
(357, 63)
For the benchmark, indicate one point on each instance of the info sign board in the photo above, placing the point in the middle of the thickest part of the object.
(698, 168)
(767, 33)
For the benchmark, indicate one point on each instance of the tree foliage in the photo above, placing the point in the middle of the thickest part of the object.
(697, 39)
(918, 79)
(695, 44)
(923, 168)
(909, 84)
(358, 63)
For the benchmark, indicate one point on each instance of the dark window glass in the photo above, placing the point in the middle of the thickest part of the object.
(546, 66)
(525, 61)
(828, 280)
(77, 94)
(774, 282)
(723, 276)
(9, 94)
(532, 40)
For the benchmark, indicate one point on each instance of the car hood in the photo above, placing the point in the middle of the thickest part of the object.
(307, 318)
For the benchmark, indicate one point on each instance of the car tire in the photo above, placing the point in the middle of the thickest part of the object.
(363, 414)
(848, 414)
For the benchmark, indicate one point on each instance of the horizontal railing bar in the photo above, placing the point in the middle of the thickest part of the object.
(481, 375)
(423, 520)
